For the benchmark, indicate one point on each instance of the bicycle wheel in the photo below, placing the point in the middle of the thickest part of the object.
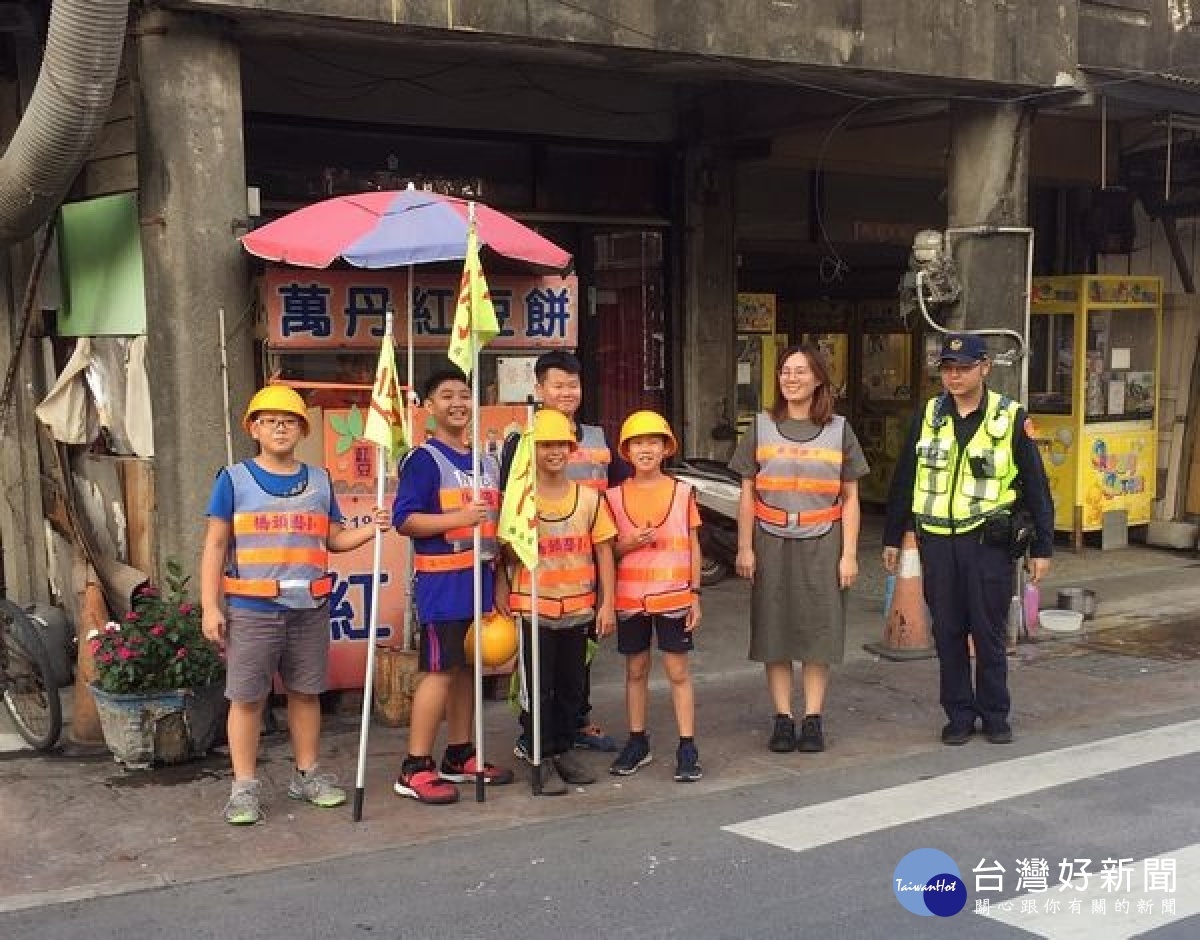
(30, 693)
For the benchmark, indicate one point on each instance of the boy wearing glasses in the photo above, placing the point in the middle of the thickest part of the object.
(265, 585)
(969, 472)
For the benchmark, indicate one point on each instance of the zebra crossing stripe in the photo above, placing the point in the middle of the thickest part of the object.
(808, 827)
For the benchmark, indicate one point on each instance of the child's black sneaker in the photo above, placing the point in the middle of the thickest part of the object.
(687, 763)
(634, 755)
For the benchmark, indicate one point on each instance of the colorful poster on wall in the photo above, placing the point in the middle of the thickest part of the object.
(755, 313)
(351, 464)
(1117, 472)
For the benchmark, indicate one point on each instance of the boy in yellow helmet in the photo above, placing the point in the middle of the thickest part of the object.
(272, 522)
(575, 595)
(658, 587)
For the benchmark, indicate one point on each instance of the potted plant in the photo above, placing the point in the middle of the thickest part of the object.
(158, 683)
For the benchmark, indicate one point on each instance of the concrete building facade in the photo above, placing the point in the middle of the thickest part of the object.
(748, 144)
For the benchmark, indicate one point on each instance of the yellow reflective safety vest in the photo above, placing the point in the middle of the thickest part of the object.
(566, 563)
(957, 489)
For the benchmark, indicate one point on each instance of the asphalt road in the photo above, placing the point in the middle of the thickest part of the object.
(699, 866)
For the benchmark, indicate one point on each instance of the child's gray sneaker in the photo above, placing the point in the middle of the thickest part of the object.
(318, 789)
(244, 807)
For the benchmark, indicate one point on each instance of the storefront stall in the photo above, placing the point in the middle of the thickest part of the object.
(323, 330)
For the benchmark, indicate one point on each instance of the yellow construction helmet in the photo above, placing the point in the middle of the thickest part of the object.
(276, 398)
(646, 422)
(553, 427)
(498, 641)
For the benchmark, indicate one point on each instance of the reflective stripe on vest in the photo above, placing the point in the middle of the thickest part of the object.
(566, 566)
(657, 578)
(955, 491)
(798, 482)
(279, 549)
(455, 491)
(588, 463)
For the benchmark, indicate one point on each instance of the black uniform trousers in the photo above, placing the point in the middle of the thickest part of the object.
(968, 586)
(562, 652)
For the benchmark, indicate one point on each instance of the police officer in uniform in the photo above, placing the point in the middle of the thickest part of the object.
(970, 482)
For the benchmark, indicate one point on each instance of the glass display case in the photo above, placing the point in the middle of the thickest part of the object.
(1093, 389)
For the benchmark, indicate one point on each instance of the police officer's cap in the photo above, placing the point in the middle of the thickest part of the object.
(963, 348)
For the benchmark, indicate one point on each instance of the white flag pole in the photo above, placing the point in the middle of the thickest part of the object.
(535, 703)
(381, 458)
(477, 567)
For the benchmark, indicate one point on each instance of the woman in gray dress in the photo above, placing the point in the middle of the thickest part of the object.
(798, 524)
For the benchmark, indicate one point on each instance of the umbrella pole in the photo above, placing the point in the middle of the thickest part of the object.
(225, 386)
(410, 431)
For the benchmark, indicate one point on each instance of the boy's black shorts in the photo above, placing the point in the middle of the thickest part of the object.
(440, 645)
(633, 635)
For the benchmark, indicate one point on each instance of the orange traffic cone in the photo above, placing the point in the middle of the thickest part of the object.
(906, 630)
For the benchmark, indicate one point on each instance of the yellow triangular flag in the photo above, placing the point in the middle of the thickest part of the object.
(518, 512)
(385, 417)
(475, 323)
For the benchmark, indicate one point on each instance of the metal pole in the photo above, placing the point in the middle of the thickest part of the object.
(381, 457)
(535, 704)
(477, 567)
(410, 397)
(225, 388)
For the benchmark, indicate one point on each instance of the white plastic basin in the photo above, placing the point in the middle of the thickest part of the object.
(1061, 621)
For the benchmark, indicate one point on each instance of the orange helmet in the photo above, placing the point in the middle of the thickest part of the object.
(498, 640)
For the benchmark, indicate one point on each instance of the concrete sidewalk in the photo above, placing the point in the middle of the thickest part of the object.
(78, 828)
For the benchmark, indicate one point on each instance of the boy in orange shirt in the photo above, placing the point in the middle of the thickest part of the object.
(658, 587)
(575, 592)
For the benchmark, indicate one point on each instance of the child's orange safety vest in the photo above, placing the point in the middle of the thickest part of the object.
(655, 579)
(566, 564)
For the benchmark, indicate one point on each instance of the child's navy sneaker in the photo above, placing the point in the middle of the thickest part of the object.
(634, 755)
(687, 763)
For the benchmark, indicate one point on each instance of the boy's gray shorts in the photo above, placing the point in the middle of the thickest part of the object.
(259, 643)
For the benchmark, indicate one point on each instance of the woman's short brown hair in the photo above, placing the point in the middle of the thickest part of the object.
(821, 412)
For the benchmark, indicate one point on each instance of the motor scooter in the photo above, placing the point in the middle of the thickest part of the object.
(718, 491)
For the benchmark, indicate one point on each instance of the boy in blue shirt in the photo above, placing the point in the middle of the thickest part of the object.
(272, 522)
(435, 508)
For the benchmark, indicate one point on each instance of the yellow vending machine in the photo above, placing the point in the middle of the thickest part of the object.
(1093, 390)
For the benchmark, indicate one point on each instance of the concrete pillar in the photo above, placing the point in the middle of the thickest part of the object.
(989, 186)
(192, 178)
(709, 289)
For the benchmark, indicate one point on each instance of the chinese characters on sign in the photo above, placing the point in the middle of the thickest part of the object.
(345, 309)
(1114, 879)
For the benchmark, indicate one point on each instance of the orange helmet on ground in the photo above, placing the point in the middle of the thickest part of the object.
(498, 640)
(646, 422)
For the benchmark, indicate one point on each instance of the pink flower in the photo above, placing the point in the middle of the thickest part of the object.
(106, 658)
(181, 653)
(126, 653)
(147, 590)
(132, 616)
(94, 647)
(185, 609)
(158, 630)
